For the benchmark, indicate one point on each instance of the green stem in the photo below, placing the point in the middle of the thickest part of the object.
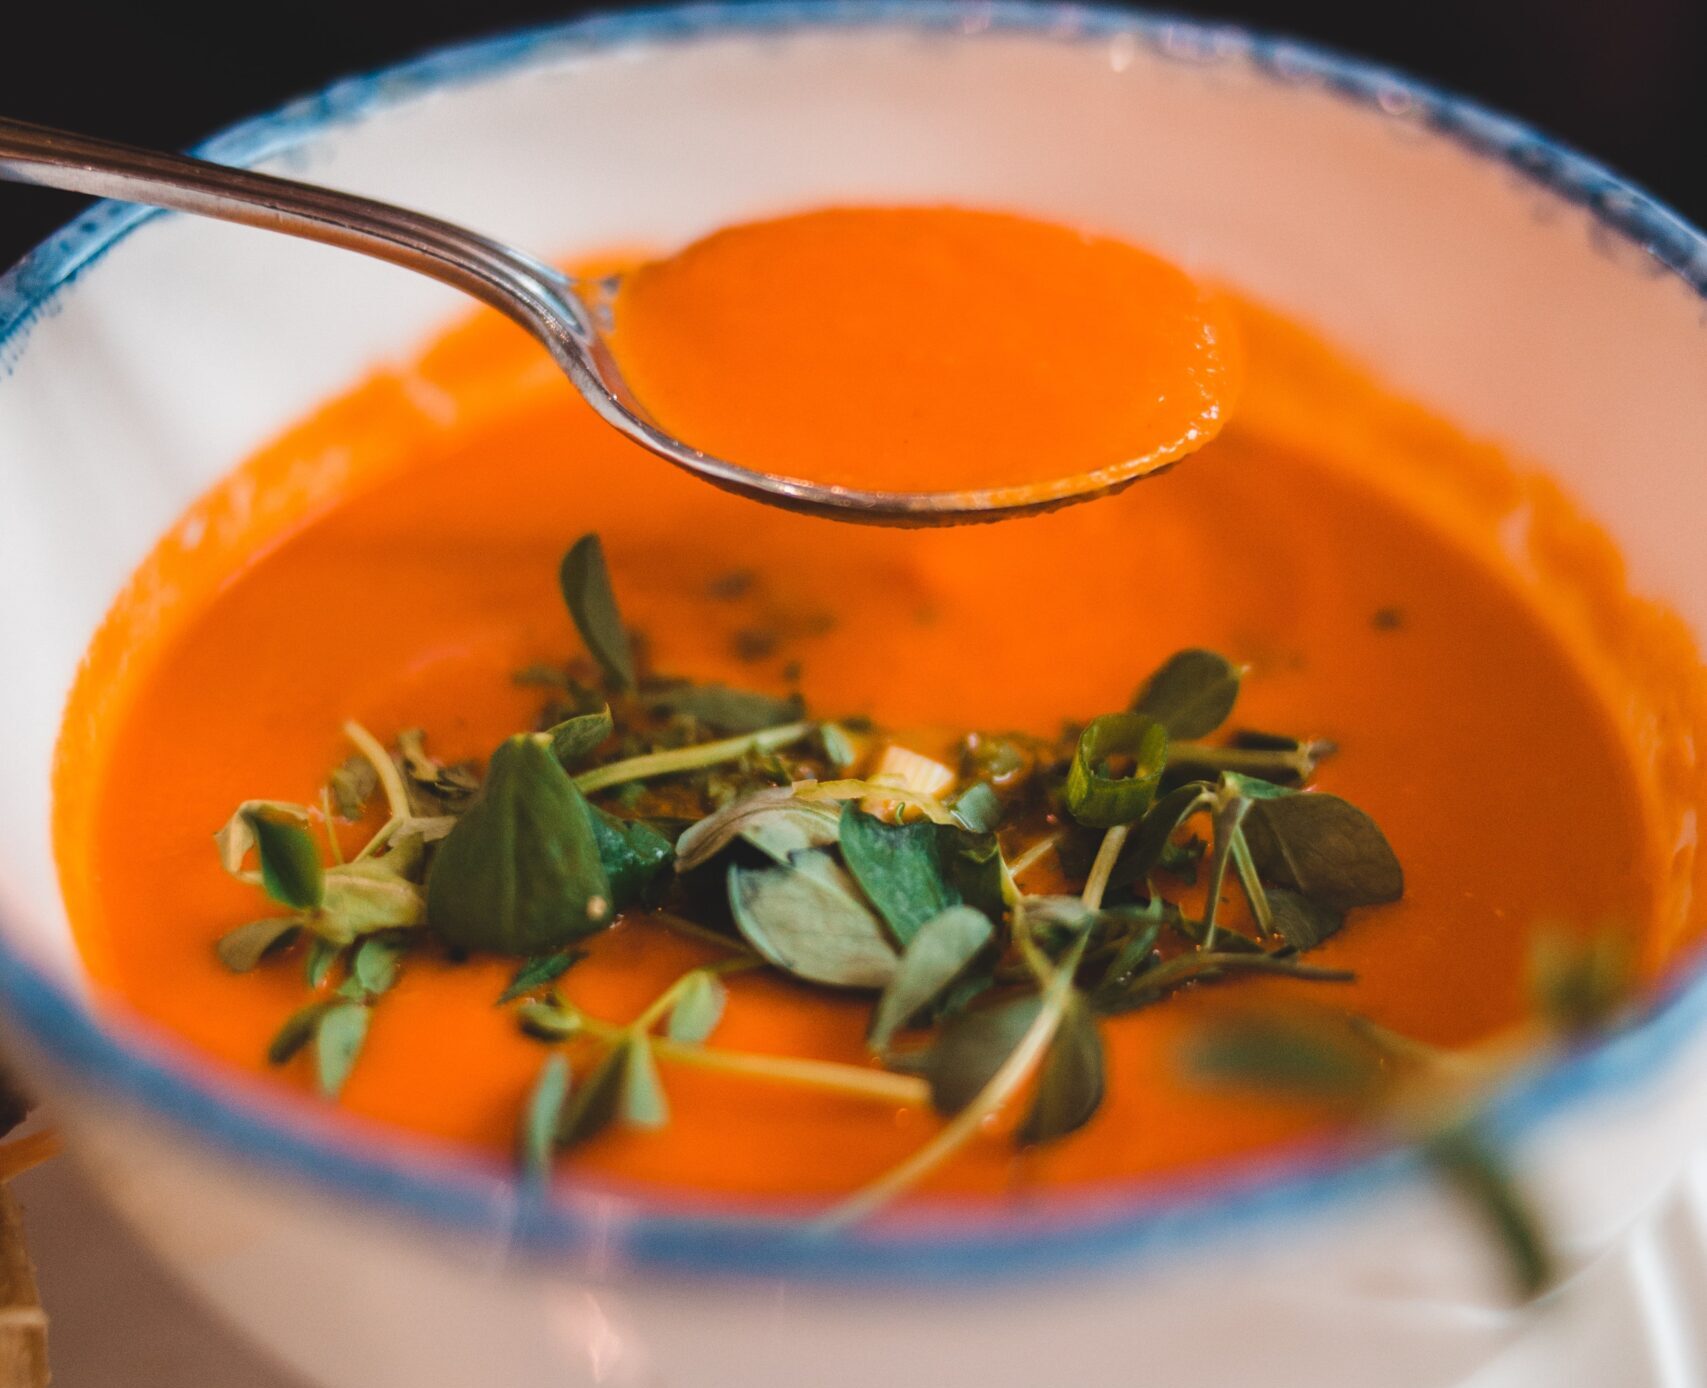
(1037, 963)
(335, 848)
(1479, 1172)
(661, 1005)
(853, 789)
(1408, 1050)
(1003, 1085)
(1228, 818)
(1103, 868)
(396, 794)
(1033, 855)
(856, 1081)
(1248, 879)
(681, 926)
(390, 779)
(653, 764)
(1284, 767)
(1185, 967)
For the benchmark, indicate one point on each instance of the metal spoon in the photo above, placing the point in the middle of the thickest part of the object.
(563, 313)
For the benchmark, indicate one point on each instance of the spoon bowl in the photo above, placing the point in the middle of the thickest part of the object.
(570, 318)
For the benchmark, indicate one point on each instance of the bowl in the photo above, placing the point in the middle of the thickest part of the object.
(1512, 285)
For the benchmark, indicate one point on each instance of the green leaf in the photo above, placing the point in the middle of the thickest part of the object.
(972, 1048)
(726, 711)
(698, 1008)
(900, 868)
(235, 837)
(1071, 1082)
(291, 872)
(634, 854)
(1298, 1056)
(578, 737)
(1005, 760)
(1324, 847)
(1131, 959)
(643, 1102)
(352, 784)
(297, 1031)
(808, 919)
(405, 859)
(595, 1100)
(536, 1141)
(839, 749)
(1481, 1175)
(1191, 695)
(963, 992)
(243, 949)
(974, 866)
(321, 956)
(338, 1042)
(1579, 984)
(978, 808)
(937, 955)
(1058, 923)
(1147, 844)
(521, 872)
(1301, 922)
(592, 604)
(369, 895)
(774, 820)
(536, 973)
(374, 967)
(1100, 800)
(1253, 788)
(433, 787)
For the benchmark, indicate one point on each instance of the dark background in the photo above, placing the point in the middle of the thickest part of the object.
(1625, 81)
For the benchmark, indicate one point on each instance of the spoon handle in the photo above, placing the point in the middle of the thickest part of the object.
(528, 290)
(542, 300)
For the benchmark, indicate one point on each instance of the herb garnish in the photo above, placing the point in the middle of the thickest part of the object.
(1191, 695)
(587, 592)
(827, 852)
(540, 972)
(1402, 1090)
(521, 871)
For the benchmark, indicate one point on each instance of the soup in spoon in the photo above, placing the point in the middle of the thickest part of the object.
(927, 349)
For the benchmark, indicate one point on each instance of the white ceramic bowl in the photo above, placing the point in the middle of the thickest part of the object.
(1519, 289)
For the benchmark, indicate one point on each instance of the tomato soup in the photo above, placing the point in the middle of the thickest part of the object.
(926, 350)
(1502, 707)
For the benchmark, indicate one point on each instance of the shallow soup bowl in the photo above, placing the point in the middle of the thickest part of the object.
(1519, 290)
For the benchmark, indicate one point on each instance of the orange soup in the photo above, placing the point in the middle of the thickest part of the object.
(1499, 706)
(926, 350)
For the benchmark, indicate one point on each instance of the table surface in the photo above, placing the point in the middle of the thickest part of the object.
(119, 1319)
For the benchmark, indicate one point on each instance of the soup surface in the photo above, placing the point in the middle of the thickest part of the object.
(393, 560)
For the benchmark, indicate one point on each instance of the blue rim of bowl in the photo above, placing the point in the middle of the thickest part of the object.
(939, 1242)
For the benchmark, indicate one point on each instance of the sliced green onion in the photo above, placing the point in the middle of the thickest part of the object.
(1101, 801)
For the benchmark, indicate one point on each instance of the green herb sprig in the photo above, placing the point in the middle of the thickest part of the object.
(1400, 1090)
(823, 851)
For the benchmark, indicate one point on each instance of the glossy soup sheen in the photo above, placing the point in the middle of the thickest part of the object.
(1503, 712)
